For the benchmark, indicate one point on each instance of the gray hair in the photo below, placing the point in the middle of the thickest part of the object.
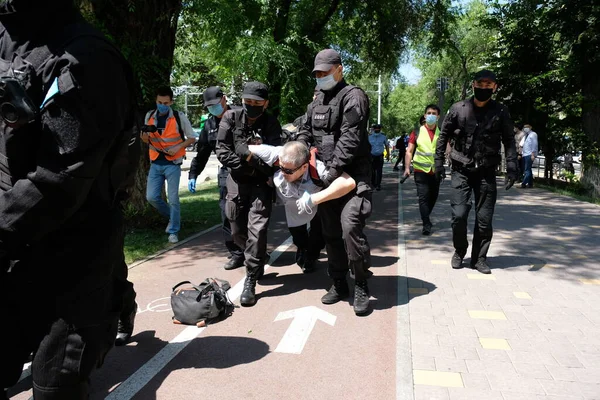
(295, 153)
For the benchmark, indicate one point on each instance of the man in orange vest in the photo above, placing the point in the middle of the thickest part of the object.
(167, 132)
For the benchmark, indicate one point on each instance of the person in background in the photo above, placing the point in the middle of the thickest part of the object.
(530, 150)
(167, 132)
(401, 147)
(422, 144)
(216, 103)
(379, 147)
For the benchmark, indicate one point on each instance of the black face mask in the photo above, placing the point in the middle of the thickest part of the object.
(253, 111)
(483, 94)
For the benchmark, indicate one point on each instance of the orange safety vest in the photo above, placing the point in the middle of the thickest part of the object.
(169, 138)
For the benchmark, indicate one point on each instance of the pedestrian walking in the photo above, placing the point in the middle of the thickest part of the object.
(422, 143)
(477, 127)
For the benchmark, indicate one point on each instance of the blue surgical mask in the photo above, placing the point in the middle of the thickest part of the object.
(163, 108)
(216, 109)
(327, 82)
(430, 119)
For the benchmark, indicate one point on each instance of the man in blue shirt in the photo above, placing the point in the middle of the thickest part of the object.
(378, 145)
(530, 150)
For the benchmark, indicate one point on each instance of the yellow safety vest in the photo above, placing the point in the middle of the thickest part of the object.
(425, 151)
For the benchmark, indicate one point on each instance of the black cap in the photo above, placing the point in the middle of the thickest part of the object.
(485, 74)
(326, 59)
(212, 95)
(255, 91)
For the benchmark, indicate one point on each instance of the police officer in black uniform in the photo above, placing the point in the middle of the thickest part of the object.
(337, 124)
(476, 128)
(249, 195)
(216, 102)
(64, 169)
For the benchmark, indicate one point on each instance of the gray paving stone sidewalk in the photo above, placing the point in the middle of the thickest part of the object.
(531, 329)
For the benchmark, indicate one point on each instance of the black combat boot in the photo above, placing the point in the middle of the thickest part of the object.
(248, 297)
(125, 327)
(233, 263)
(338, 291)
(308, 266)
(361, 298)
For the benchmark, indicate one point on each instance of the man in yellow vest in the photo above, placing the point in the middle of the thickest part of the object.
(423, 142)
(167, 133)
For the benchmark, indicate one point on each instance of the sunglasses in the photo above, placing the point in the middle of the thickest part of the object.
(290, 171)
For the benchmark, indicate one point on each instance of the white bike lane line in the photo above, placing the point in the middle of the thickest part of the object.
(404, 370)
(150, 369)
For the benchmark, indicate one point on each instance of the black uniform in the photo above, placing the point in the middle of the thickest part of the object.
(476, 134)
(249, 197)
(336, 123)
(207, 143)
(62, 176)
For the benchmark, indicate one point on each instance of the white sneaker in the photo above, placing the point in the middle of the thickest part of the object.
(173, 238)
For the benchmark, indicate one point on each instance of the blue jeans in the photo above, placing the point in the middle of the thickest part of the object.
(528, 179)
(156, 180)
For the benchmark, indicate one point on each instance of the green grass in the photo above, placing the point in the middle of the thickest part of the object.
(571, 190)
(145, 234)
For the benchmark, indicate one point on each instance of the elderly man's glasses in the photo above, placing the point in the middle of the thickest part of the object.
(288, 171)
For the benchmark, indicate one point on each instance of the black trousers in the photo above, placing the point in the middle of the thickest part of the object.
(235, 250)
(69, 322)
(377, 173)
(428, 189)
(400, 159)
(248, 208)
(311, 240)
(482, 184)
(347, 246)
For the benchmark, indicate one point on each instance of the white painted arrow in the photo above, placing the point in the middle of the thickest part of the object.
(304, 320)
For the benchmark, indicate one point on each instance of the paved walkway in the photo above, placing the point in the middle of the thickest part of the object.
(531, 330)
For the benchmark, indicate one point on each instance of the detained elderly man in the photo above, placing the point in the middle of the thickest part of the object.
(299, 189)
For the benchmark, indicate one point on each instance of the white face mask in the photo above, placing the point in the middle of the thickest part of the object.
(327, 82)
(526, 130)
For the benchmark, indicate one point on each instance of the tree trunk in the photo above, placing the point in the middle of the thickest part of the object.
(145, 31)
(590, 114)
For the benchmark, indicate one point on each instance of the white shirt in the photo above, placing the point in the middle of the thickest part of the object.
(289, 192)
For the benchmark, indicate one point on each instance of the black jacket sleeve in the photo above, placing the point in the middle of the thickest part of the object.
(304, 134)
(204, 149)
(79, 126)
(354, 125)
(446, 133)
(225, 147)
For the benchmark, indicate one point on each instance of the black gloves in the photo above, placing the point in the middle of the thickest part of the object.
(511, 175)
(440, 173)
(260, 165)
(242, 150)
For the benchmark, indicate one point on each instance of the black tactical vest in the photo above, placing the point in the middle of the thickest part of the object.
(478, 143)
(326, 123)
